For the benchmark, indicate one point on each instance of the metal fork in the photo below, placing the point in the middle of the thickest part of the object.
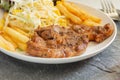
(109, 9)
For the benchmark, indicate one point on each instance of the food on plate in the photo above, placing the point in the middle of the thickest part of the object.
(59, 42)
(8, 38)
(16, 35)
(95, 33)
(29, 14)
(21, 46)
(42, 29)
(69, 15)
(56, 42)
(71, 10)
(1, 23)
(90, 23)
(4, 44)
(17, 38)
(21, 31)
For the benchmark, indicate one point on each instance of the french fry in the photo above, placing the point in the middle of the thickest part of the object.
(6, 44)
(90, 23)
(3, 45)
(69, 15)
(20, 45)
(1, 23)
(75, 11)
(19, 24)
(16, 43)
(9, 39)
(21, 31)
(16, 35)
(95, 19)
(79, 12)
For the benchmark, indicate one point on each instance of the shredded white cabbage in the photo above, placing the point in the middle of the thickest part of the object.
(36, 12)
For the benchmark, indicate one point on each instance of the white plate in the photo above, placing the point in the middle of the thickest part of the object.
(91, 50)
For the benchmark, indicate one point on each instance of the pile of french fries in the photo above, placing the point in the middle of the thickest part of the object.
(76, 14)
(12, 38)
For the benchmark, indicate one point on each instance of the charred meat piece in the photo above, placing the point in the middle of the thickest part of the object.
(57, 42)
(102, 33)
(95, 33)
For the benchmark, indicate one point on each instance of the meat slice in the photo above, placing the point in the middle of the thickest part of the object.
(95, 33)
(102, 33)
(57, 42)
(38, 47)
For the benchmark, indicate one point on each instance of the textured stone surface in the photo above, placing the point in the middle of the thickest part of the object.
(104, 66)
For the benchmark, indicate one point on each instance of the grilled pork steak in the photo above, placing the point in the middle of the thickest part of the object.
(59, 42)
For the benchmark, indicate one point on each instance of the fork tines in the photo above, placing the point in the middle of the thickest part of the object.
(109, 9)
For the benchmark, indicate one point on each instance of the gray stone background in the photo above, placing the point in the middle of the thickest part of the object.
(104, 66)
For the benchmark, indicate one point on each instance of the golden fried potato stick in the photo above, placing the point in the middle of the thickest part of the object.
(69, 15)
(3, 45)
(17, 24)
(6, 44)
(21, 31)
(16, 35)
(74, 10)
(2, 23)
(79, 12)
(90, 23)
(21, 45)
(8, 38)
